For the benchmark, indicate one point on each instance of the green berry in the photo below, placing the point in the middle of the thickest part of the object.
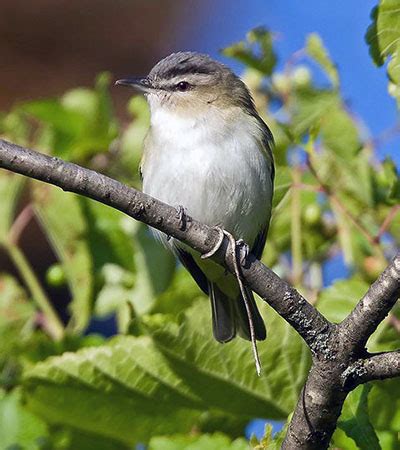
(55, 276)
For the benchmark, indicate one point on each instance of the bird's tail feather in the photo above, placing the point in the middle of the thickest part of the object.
(223, 314)
(242, 325)
(230, 315)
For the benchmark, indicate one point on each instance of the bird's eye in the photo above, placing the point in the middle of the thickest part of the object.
(183, 86)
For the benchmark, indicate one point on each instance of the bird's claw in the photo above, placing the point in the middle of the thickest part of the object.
(183, 217)
(244, 251)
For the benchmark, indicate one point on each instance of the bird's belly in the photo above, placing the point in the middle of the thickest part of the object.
(216, 186)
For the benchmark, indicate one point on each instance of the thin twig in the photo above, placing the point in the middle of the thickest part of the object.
(54, 326)
(386, 223)
(20, 223)
(394, 322)
(328, 191)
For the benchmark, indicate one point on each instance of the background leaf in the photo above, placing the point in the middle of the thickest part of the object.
(355, 421)
(383, 37)
(182, 369)
(202, 442)
(65, 225)
(315, 48)
(18, 427)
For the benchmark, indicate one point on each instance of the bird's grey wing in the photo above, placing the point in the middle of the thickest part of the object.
(259, 243)
(267, 142)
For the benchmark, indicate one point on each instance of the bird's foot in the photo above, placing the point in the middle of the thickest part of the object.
(184, 219)
(243, 248)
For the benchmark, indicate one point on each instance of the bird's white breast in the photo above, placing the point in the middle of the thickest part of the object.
(213, 166)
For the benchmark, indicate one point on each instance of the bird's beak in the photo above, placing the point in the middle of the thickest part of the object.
(141, 84)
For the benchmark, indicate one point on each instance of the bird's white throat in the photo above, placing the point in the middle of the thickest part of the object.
(211, 126)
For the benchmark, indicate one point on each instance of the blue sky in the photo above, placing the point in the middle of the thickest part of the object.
(341, 24)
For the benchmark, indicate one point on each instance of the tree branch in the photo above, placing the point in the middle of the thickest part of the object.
(373, 307)
(375, 367)
(286, 301)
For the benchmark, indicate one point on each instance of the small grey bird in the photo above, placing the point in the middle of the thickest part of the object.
(208, 150)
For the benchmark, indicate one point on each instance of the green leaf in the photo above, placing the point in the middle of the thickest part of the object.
(316, 49)
(389, 440)
(322, 110)
(309, 107)
(337, 122)
(216, 441)
(383, 34)
(383, 37)
(111, 390)
(15, 310)
(224, 376)
(338, 300)
(68, 438)
(155, 267)
(15, 127)
(130, 143)
(355, 421)
(17, 316)
(181, 293)
(62, 126)
(384, 405)
(255, 52)
(340, 440)
(52, 113)
(386, 183)
(18, 427)
(65, 226)
(109, 239)
(79, 125)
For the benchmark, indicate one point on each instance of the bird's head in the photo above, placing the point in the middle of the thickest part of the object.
(190, 82)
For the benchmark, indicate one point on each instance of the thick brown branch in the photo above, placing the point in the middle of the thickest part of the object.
(373, 307)
(308, 322)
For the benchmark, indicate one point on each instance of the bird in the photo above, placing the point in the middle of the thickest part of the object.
(209, 153)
